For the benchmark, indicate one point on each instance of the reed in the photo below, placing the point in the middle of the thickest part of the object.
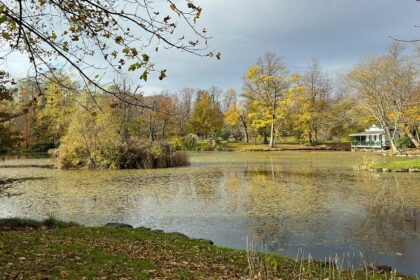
(264, 266)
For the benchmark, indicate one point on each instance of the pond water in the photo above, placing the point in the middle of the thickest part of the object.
(289, 201)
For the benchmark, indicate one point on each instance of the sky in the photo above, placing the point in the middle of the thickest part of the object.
(339, 33)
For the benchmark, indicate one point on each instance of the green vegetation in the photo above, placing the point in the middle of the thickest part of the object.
(243, 147)
(191, 142)
(136, 155)
(36, 250)
(120, 130)
(400, 164)
(404, 143)
(261, 147)
(105, 139)
(207, 117)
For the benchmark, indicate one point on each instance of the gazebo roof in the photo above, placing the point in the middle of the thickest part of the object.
(365, 133)
(373, 130)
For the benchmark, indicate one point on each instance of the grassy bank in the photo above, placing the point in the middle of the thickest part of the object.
(242, 147)
(57, 250)
(400, 164)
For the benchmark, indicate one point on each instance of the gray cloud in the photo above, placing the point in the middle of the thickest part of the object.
(337, 32)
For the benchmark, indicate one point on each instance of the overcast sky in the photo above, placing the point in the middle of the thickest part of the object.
(336, 32)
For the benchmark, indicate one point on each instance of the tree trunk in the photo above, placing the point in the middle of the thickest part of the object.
(151, 130)
(272, 136)
(391, 140)
(245, 128)
(411, 136)
(163, 130)
(265, 136)
(246, 134)
(394, 147)
(273, 119)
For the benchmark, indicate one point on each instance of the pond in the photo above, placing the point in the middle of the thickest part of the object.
(309, 202)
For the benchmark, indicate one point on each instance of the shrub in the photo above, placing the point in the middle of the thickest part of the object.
(42, 147)
(366, 163)
(9, 140)
(180, 159)
(404, 143)
(97, 140)
(191, 142)
(186, 143)
(226, 133)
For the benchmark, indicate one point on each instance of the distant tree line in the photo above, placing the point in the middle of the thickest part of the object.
(274, 105)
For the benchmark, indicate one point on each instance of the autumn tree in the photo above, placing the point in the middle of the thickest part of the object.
(128, 113)
(94, 137)
(6, 97)
(216, 94)
(162, 117)
(230, 98)
(236, 112)
(313, 101)
(345, 116)
(54, 107)
(236, 115)
(385, 87)
(259, 119)
(207, 117)
(411, 119)
(8, 138)
(184, 103)
(264, 85)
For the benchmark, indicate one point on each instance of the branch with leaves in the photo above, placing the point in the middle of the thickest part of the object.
(121, 34)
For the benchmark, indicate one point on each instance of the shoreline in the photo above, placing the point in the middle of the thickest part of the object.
(411, 165)
(67, 250)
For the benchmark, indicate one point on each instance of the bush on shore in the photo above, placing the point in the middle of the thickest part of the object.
(404, 143)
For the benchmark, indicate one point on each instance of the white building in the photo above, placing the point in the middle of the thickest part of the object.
(372, 138)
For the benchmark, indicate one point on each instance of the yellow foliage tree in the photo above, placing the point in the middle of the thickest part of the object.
(207, 117)
(266, 83)
(313, 102)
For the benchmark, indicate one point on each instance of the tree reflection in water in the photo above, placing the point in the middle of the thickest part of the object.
(286, 200)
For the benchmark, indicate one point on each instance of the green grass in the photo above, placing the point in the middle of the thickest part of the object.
(261, 147)
(284, 146)
(401, 164)
(58, 250)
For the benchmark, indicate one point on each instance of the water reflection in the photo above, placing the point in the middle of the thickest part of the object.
(286, 200)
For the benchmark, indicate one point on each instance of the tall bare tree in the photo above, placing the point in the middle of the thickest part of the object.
(315, 99)
(184, 104)
(386, 87)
